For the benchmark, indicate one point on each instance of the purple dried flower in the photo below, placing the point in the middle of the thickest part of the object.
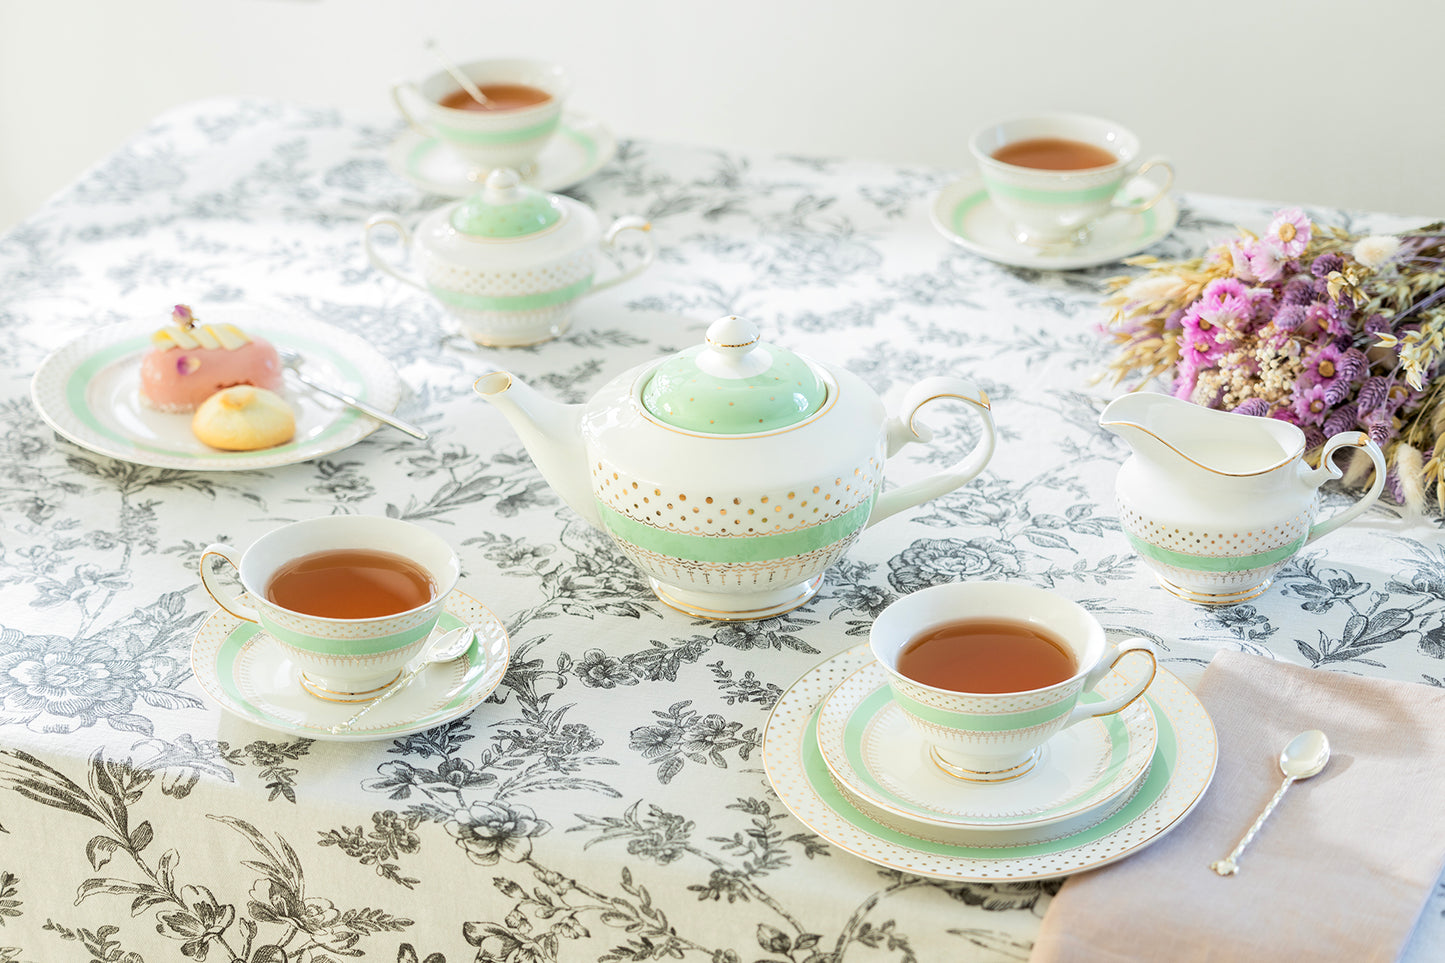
(1325, 264)
(1322, 290)
(1309, 404)
(1336, 391)
(1394, 486)
(1298, 291)
(1353, 365)
(181, 314)
(1376, 324)
(1380, 432)
(1343, 419)
(1313, 437)
(1173, 322)
(1289, 317)
(1257, 407)
(1373, 394)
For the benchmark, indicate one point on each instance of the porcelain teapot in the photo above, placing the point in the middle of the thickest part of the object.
(509, 262)
(733, 473)
(1216, 503)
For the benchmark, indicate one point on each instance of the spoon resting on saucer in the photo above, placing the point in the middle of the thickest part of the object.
(442, 648)
(1305, 756)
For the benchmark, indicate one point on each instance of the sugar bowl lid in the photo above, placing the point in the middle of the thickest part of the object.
(506, 209)
(734, 384)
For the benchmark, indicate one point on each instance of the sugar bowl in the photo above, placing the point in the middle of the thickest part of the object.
(510, 262)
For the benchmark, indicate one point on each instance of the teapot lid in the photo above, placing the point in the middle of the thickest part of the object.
(734, 384)
(506, 209)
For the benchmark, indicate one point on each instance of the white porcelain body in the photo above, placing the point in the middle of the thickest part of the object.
(992, 737)
(1051, 207)
(733, 527)
(1216, 503)
(509, 292)
(342, 660)
(488, 139)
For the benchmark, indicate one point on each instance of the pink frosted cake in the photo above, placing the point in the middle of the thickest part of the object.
(192, 361)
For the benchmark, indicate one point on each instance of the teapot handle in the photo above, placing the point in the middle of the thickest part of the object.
(906, 428)
(629, 223)
(379, 262)
(1328, 469)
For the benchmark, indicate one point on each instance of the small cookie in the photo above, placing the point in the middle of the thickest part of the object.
(244, 418)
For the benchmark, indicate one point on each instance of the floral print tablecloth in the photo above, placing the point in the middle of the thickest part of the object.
(608, 801)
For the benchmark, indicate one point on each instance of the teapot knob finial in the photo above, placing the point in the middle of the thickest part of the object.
(502, 185)
(733, 350)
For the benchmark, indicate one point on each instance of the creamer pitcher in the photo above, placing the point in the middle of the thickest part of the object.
(1216, 502)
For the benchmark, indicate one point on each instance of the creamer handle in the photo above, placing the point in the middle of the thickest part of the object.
(906, 428)
(377, 261)
(1328, 469)
(224, 596)
(629, 223)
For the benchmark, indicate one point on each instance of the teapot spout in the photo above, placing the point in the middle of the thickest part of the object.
(551, 433)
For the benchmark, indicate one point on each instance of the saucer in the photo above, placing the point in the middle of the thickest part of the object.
(1084, 774)
(963, 213)
(249, 674)
(89, 392)
(578, 150)
(1178, 775)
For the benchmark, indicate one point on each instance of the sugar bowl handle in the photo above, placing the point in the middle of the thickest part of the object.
(628, 223)
(377, 261)
(224, 596)
(1328, 470)
(907, 428)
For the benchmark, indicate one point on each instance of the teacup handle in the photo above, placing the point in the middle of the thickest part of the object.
(649, 254)
(905, 428)
(1121, 701)
(377, 261)
(1328, 469)
(224, 596)
(398, 92)
(1139, 207)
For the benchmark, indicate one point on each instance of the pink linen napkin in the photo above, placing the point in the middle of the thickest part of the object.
(1340, 871)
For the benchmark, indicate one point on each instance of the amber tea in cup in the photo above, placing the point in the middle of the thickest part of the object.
(1054, 154)
(499, 97)
(350, 584)
(988, 655)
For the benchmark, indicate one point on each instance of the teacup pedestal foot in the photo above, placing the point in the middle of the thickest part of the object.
(1001, 771)
(1215, 598)
(364, 692)
(736, 606)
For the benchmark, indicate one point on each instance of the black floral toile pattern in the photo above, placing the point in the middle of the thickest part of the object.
(608, 801)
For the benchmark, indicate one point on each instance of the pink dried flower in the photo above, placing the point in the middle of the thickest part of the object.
(1225, 302)
(187, 363)
(181, 314)
(1265, 262)
(1309, 404)
(1289, 233)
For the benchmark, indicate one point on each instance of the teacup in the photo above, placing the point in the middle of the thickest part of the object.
(492, 138)
(341, 659)
(1047, 206)
(994, 736)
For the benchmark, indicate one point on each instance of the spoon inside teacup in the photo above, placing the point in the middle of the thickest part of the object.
(1305, 756)
(458, 75)
(441, 648)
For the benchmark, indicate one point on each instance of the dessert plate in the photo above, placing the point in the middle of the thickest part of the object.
(88, 391)
(1179, 773)
(1084, 775)
(963, 213)
(579, 149)
(249, 674)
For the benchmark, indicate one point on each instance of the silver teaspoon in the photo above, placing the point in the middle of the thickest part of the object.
(292, 359)
(1305, 756)
(442, 648)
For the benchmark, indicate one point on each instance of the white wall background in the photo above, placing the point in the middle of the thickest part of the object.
(1323, 102)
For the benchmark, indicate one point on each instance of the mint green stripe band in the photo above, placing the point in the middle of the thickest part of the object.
(750, 548)
(983, 722)
(381, 643)
(515, 302)
(1212, 563)
(1035, 196)
(458, 135)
